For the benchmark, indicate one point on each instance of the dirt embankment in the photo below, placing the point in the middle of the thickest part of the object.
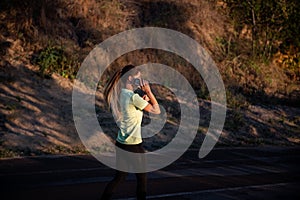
(36, 112)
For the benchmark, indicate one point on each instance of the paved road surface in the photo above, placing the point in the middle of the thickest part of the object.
(227, 173)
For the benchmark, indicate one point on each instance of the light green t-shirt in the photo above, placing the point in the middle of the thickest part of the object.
(131, 105)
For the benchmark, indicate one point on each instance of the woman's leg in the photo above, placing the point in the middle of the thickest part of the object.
(111, 186)
(141, 187)
(126, 161)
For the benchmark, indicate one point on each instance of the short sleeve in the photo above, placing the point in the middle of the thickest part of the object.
(139, 102)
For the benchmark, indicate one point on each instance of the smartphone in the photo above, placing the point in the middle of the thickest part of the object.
(137, 81)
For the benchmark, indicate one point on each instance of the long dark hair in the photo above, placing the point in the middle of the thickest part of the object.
(112, 88)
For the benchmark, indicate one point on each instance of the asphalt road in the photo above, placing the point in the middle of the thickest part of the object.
(226, 173)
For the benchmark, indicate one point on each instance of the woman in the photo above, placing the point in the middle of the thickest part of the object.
(128, 107)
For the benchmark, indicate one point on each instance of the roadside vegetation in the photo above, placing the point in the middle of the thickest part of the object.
(255, 44)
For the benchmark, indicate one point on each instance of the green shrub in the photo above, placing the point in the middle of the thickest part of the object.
(274, 24)
(53, 59)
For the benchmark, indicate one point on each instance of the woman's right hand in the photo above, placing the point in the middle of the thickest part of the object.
(145, 86)
(153, 107)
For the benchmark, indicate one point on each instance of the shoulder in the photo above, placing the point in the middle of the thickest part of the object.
(126, 93)
(139, 102)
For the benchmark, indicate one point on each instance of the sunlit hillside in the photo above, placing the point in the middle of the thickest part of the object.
(44, 42)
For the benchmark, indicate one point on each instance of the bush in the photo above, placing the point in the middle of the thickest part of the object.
(53, 59)
(274, 24)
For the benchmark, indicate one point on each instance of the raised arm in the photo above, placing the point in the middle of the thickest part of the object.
(153, 106)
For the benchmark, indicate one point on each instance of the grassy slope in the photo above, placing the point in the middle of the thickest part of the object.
(258, 92)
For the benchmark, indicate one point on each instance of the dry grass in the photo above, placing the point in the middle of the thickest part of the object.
(79, 25)
(27, 27)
